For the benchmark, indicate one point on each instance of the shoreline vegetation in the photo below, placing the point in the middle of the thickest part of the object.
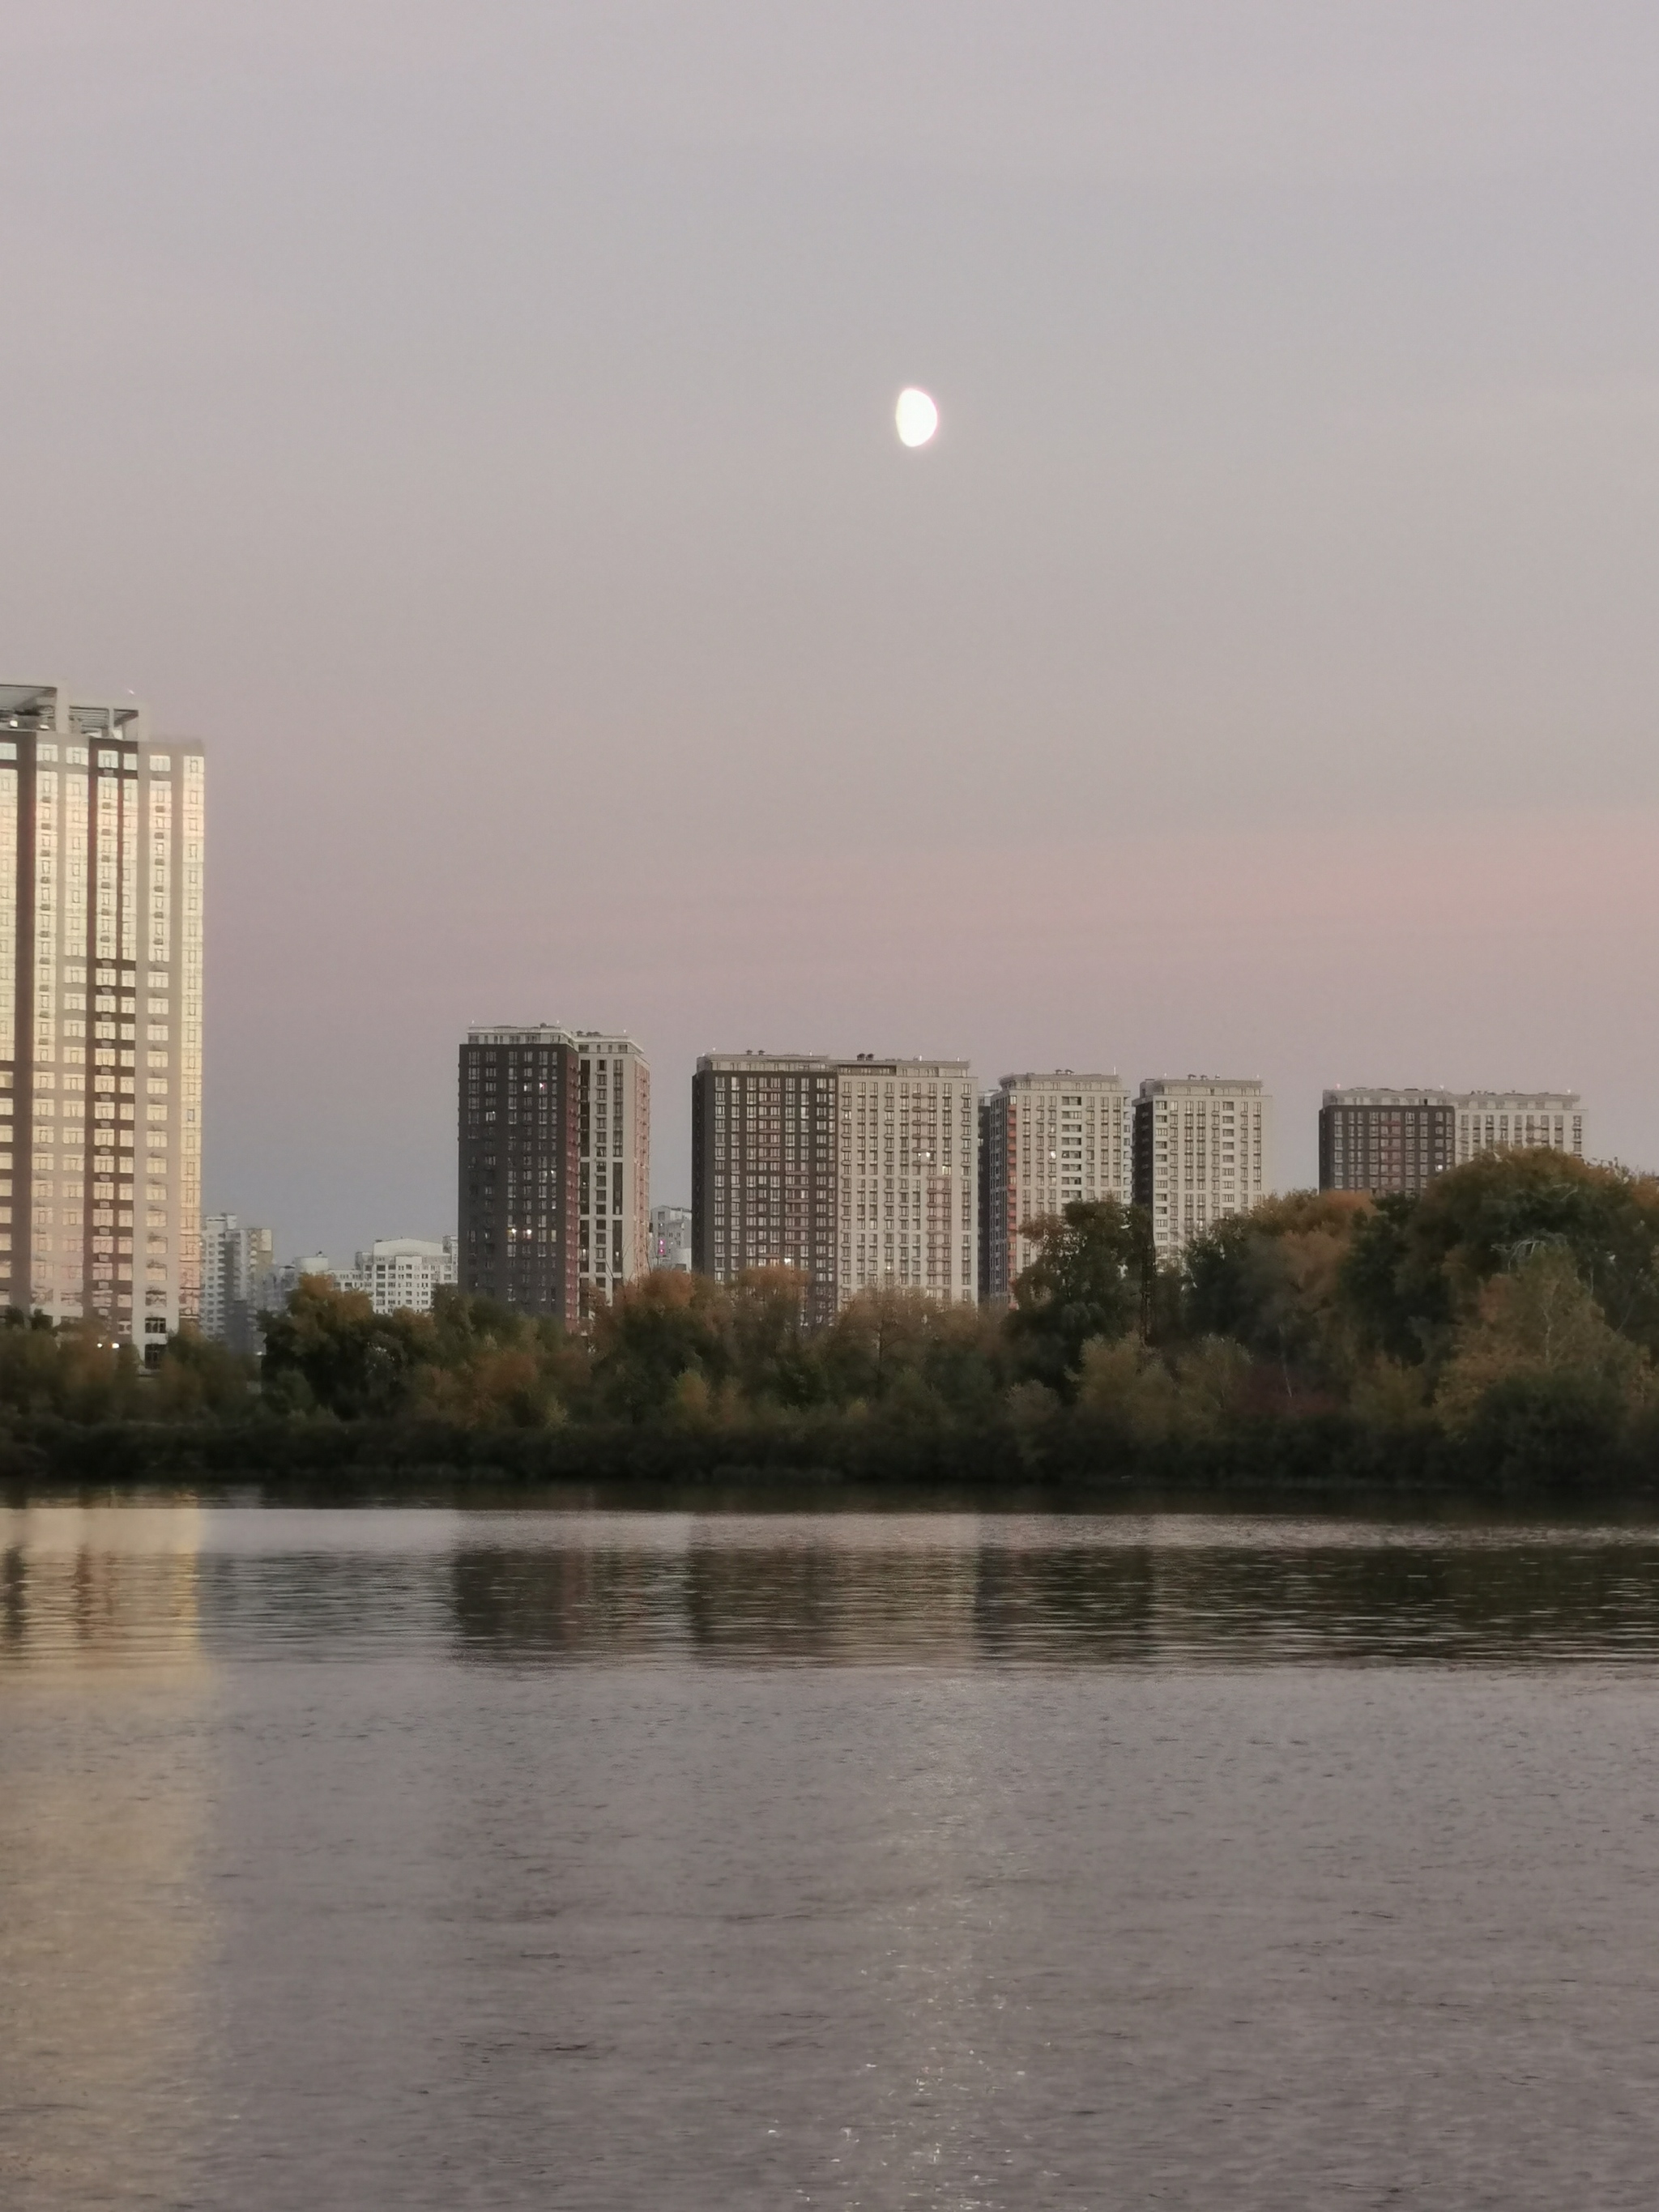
(1498, 1333)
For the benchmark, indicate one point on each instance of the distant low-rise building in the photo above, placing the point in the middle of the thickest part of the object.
(274, 1290)
(236, 1258)
(1397, 1141)
(670, 1237)
(401, 1274)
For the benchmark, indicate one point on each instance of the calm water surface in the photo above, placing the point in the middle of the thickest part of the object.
(427, 1857)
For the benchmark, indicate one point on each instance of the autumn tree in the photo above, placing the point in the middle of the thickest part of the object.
(1095, 1261)
(1271, 1280)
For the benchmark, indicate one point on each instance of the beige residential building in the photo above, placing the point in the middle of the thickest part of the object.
(1045, 1141)
(1202, 1148)
(1488, 1119)
(613, 1175)
(101, 843)
(863, 1173)
(907, 1178)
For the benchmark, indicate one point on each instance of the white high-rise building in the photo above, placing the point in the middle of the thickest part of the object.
(1045, 1141)
(613, 1171)
(401, 1274)
(1202, 1151)
(101, 858)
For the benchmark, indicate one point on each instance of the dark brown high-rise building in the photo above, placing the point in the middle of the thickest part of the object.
(519, 1120)
(764, 1129)
(1384, 1141)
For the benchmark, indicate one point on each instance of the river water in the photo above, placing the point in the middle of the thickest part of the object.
(446, 1857)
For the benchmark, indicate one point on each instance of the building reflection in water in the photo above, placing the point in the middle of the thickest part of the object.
(847, 1590)
(107, 1934)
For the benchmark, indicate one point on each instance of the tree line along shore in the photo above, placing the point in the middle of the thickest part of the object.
(1499, 1330)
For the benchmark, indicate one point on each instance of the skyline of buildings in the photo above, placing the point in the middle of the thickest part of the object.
(102, 837)
(868, 1172)
(858, 1170)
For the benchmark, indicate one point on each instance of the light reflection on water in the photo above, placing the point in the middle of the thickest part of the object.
(438, 1858)
(151, 1582)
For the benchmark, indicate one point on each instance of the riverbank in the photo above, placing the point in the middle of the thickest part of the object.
(1325, 1453)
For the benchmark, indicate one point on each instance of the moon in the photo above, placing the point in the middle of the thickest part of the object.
(916, 416)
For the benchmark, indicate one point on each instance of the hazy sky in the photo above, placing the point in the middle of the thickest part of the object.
(476, 422)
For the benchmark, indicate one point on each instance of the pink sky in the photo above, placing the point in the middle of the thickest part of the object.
(476, 424)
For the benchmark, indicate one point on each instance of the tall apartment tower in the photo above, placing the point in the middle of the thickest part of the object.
(1393, 1141)
(237, 1259)
(1046, 1141)
(101, 838)
(519, 1116)
(613, 1169)
(862, 1173)
(1201, 1148)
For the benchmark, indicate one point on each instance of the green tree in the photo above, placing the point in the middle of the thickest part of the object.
(198, 1379)
(658, 1330)
(773, 1355)
(1399, 1309)
(1155, 1397)
(332, 1350)
(1095, 1262)
(491, 1364)
(1271, 1279)
(1540, 1320)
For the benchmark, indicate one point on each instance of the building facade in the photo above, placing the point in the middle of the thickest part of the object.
(1383, 1141)
(861, 1173)
(1391, 1141)
(614, 1165)
(237, 1261)
(519, 1120)
(401, 1274)
(275, 1288)
(1486, 1119)
(102, 835)
(1045, 1141)
(1202, 1151)
(670, 1237)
